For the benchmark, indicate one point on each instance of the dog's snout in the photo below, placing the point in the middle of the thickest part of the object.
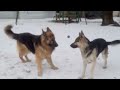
(56, 45)
(73, 45)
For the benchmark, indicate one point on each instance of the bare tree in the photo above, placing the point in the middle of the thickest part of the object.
(107, 18)
(17, 16)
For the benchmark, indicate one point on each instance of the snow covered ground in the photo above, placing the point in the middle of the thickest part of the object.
(67, 59)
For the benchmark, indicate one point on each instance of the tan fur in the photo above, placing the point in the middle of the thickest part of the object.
(23, 51)
(82, 43)
(92, 59)
(42, 46)
(22, 48)
(105, 56)
(41, 52)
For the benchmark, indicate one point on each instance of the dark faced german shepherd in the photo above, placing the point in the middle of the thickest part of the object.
(90, 50)
(40, 45)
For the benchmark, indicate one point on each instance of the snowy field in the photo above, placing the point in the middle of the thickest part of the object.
(68, 60)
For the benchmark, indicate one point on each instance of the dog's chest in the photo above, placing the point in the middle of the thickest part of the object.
(43, 53)
(92, 57)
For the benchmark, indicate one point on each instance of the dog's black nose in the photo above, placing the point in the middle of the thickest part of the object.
(56, 45)
(73, 46)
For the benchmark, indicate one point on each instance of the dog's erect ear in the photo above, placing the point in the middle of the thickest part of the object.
(43, 32)
(79, 34)
(48, 29)
(82, 33)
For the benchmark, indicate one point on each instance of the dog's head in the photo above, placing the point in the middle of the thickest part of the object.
(80, 42)
(49, 38)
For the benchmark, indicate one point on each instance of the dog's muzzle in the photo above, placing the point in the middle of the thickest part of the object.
(56, 45)
(73, 45)
(53, 44)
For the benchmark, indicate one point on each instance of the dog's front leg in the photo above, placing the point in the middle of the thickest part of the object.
(92, 69)
(84, 69)
(39, 65)
(49, 60)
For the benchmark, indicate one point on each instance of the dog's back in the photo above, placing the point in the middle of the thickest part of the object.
(98, 44)
(25, 38)
(101, 44)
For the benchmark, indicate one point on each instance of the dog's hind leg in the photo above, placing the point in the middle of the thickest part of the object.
(49, 60)
(22, 51)
(28, 60)
(21, 57)
(105, 56)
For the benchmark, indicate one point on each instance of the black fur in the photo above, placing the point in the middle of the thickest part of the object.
(99, 44)
(29, 40)
(114, 42)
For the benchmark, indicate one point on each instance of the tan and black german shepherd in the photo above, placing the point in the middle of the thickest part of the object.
(41, 45)
(90, 50)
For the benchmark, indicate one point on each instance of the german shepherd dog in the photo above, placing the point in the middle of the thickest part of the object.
(90, 50)
(41, 45)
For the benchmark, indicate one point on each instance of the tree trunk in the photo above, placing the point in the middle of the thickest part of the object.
(17, 16)
(107, 18)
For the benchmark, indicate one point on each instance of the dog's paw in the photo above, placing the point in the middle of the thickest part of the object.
(104, 67)
(24, 61)
(39, 77)
(55, 68)
(82, 77)
(28, 60)
(39, 74)
(90, 78)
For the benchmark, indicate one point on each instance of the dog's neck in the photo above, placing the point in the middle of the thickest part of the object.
(84, 45)
(85, 52)
(85, 49)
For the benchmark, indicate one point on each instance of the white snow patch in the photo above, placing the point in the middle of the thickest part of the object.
(67, 59)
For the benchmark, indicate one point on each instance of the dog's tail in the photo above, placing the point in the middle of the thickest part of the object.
(9, 32)
(115, 42)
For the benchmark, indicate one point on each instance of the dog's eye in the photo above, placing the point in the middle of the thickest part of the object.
(52, 40)
(47, 38)
(77, 40)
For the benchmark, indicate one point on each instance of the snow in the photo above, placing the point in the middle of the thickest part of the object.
(68, 60)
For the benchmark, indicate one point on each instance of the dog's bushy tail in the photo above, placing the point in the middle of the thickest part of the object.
(115, 42)
(9, 32)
